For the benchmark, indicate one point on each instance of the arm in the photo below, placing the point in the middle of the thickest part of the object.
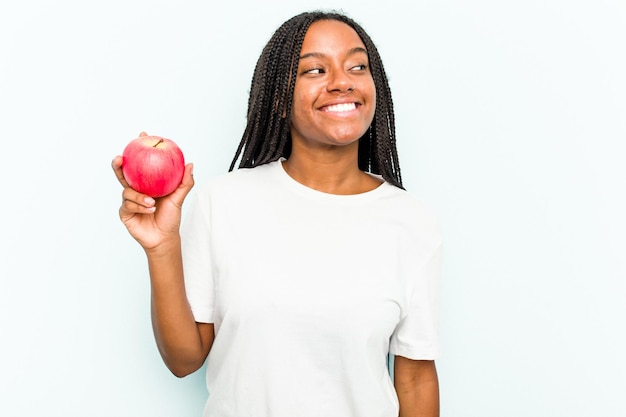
(183, 343)
(417, 387)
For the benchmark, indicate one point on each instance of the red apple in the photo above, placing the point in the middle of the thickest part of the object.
(153, 165)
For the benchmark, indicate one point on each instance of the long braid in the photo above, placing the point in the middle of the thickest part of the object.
(380, 155)
(267, 136)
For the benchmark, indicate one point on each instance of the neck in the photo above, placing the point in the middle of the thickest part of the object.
(333, 170)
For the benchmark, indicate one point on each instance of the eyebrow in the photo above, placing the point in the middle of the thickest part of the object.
(357, 50)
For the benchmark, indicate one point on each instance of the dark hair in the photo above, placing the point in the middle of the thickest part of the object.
(267, 135)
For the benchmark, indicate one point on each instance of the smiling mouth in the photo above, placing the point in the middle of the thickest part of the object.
(340, 108)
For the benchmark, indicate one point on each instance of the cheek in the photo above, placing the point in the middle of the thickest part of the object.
(302, 105)
(296, 110)
(373, 102)
(299, 115)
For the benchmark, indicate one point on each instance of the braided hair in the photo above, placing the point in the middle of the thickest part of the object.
(267, 136)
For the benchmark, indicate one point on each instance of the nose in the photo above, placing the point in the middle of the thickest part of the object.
(340, 82)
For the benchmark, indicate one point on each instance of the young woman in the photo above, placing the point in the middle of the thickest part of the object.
(307, 265)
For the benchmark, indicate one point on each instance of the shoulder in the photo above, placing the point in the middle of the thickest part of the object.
(407, 203)
(414, 213)
(239, 180)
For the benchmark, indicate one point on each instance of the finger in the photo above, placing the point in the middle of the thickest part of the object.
(143, 134)
(178, 196)
(137, 198)
(130, 208)
(187, 182)
(116, 164)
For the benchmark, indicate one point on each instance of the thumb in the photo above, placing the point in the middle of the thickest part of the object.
(186, 184)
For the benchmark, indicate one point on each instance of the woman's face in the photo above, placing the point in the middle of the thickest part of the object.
(334, 95)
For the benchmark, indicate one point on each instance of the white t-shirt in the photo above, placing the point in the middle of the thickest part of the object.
(308, 292)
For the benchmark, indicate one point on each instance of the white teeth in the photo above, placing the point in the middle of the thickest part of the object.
(341, 107)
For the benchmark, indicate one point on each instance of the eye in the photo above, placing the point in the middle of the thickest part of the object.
(314, 71)
(361, 67)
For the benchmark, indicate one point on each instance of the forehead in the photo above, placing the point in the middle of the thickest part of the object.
(330, 35)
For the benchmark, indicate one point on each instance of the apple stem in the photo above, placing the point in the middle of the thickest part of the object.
(157, 144)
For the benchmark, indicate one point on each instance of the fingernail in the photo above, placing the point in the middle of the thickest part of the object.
(149, 201)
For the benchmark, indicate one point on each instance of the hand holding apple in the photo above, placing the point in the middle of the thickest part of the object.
(153, 165)
(153, 222)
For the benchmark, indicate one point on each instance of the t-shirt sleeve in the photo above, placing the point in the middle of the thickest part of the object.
(197, 259)
(416, 335)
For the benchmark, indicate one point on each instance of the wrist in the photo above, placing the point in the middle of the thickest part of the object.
(165, 249)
